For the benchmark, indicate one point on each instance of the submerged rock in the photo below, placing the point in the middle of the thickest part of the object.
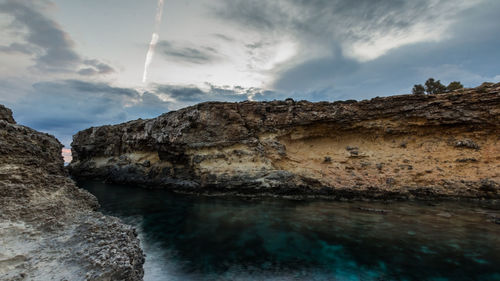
(342, 150)
(49, 228)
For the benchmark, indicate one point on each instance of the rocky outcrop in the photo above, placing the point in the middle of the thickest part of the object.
(49, 228)
(424, 146)
(6, 115)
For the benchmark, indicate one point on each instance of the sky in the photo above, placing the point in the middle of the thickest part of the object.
(66, 65)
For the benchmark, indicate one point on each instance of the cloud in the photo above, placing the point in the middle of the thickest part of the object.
(361, 49)
(51, 47)
(188, 95)
(64, 107)
(319, 73)
(364, 29)
(95, 67)
(91, 87)
(188, 54)
(223, 37)
(183, 94)
(55, 45)
(18, 48)
(339, 78)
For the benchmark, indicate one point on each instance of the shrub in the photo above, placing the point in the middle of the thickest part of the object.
(433, 87)
(455, 85)
(418, 89)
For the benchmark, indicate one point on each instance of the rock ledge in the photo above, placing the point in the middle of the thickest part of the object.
(408, 146)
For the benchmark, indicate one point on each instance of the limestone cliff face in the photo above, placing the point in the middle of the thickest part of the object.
(405, 146)
(49, 229)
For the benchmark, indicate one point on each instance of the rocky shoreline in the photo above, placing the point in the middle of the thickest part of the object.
(400, 147)
(49, 228)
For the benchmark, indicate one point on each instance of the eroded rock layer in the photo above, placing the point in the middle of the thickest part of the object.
(49, 229)
(406, 146)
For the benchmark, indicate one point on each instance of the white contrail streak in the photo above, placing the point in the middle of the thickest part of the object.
(149, 56)
(154, 40)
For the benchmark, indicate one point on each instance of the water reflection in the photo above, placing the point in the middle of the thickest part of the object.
(204, 238)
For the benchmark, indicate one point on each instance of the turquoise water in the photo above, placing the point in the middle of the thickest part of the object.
(213, 238)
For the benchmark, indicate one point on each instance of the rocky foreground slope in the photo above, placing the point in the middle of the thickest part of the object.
(49, 229)
(425, 146)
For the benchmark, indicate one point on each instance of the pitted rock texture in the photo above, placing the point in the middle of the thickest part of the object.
(407, 146)
(6, 114)
(49, 228)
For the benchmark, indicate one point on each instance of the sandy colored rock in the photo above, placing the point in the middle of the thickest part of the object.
(424, 146)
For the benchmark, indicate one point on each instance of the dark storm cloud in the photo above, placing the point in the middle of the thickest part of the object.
(95, 67)
(188, 54)
(56, 46)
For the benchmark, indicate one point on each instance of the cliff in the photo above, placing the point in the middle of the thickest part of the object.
(49, 228)
(407, 146)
